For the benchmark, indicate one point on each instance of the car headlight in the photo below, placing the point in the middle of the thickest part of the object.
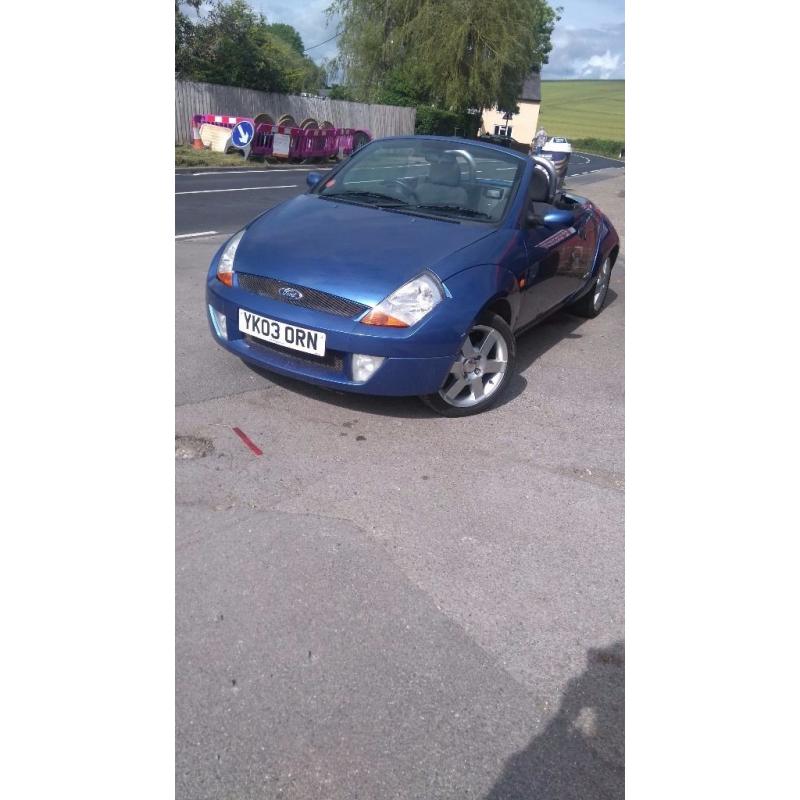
(225, 265)
(409, 304)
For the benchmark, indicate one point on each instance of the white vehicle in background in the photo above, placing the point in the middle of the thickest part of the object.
(558, 144)
(558, 150)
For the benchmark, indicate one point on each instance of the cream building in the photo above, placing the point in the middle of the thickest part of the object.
(522, 126)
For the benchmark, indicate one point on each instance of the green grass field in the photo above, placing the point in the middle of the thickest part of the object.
(584, 109)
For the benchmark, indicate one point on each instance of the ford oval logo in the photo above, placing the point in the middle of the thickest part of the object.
(290, 294)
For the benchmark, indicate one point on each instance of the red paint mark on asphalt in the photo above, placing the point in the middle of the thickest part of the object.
(248, 441)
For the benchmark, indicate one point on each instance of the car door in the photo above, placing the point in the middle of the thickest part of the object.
(559, 263)
(584, 246)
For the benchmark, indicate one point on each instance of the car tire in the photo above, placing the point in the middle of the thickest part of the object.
(591, 304)
(481, 372)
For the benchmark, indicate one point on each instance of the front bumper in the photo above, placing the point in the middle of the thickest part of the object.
(417, 359)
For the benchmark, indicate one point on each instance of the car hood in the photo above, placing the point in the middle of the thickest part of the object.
(352, 251)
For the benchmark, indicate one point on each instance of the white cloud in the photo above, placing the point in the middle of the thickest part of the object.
(601, 66)
(587, 53)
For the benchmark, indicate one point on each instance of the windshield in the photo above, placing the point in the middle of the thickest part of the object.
(447, 179)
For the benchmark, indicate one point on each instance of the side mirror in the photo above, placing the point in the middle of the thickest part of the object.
(550, 217)
(313, 178)
(559, 218)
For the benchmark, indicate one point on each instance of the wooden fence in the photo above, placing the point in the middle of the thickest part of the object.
(208, 98)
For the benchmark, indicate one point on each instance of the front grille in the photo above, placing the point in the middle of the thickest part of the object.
(311, 298)
(333, 360)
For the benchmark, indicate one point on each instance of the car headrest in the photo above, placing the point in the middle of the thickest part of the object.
(540, 186)
(445, 172)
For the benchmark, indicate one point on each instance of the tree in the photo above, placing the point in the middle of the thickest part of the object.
(339, 92)
(288, 34)
(456, 54)
(183, 33)
(233, 45)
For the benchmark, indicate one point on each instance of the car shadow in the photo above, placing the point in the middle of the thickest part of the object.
(530, 345)
(405, 407)
(536, 341)
(580, 755)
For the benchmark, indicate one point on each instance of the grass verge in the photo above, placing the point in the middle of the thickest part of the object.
(185, 156)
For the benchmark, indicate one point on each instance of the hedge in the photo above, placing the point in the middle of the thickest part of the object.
(601, 147)
(438, 122)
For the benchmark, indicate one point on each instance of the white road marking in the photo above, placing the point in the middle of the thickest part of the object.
(254, 171)
(607, 158)
(391, 166)
(190, 235)
(244, 189)
(381, 180)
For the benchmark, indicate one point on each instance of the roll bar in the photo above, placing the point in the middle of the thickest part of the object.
(552, 179)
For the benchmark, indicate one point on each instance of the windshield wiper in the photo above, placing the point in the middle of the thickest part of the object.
(467, 212)
(344, 196)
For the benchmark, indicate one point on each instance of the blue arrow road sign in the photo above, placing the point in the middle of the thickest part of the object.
(242, 134)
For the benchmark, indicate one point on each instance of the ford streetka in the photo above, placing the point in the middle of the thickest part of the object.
(410, 269)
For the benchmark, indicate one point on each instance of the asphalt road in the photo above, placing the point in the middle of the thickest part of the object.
(391, 604)
(224, 200)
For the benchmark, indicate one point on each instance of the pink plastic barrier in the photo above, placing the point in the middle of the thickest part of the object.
(302, 143)
(218, 119)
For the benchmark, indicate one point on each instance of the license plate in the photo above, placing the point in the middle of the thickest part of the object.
(280, 333)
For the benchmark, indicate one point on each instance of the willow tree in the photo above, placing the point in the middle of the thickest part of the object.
(457, 53)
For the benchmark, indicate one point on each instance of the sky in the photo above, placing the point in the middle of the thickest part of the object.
(588, 41)
(310, 19)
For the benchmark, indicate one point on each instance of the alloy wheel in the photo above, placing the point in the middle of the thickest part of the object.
(478, 370)
(601, 287)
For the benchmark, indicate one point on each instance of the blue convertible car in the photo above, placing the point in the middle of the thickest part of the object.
(409, 270)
